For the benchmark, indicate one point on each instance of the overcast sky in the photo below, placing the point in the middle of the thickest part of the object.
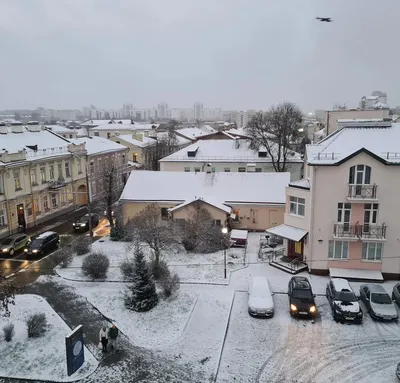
(238, 54)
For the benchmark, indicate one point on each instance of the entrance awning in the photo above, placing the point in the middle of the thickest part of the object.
(288, 232)
(356, 275)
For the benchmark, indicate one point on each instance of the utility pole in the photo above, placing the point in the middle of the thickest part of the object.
(224, 232)
(89, 205)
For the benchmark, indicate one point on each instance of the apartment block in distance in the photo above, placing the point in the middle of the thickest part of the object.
(343, 218)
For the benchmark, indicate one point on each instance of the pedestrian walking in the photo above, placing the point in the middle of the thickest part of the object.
(104, 338)
(113, 336)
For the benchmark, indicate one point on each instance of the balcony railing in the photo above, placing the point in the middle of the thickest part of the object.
(362, 191)
(53, 185)
(366, 231)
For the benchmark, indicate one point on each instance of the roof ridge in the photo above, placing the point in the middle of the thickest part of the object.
(335, 137)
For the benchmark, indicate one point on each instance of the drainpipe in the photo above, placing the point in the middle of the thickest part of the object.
(311, 233)
(72, 179)
(33, 199)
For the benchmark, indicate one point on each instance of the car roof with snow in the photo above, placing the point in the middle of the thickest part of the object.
(259, 286)
(341, 284)
(374, 288)
(301, 283)
(45, 234)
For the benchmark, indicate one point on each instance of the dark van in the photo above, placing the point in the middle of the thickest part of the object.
(43, 244)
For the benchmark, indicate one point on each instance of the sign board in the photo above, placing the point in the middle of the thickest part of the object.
(75, 350)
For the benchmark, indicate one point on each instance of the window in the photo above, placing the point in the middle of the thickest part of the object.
(1, 185)
(297, 206)
(67, 169)
(43, 174)
(60, 171)
(164, 213)
(360, 175)
(262, 154)
(3, 219)
(29, 211)
(338, 250)
(17, 180)
(96, 134)
(79, 165)
(51, 171)
(62, 198)
(33, 177)
(370, 216)
(217, 222)
(94, 189)
(227, 170)
(187, 170)
(258, 170)
(54, 199)
(242, 170)
(36, 206)
(196, 170)
(372, 251)
(108, 135)
(91, 167)
(344, 213)
(45, 203)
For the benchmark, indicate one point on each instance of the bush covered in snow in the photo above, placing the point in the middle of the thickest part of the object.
(128, 269)
(159, 269)
(141, 294)
(82, 246)
(95, 265)
(64, 256)
(170, 284)
(9, 332)
(117, 233)
(36, 325)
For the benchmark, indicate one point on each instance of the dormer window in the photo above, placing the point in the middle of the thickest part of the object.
(360, 175)
(262, 154)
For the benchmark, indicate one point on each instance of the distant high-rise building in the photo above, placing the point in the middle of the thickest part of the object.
(241, 120)
(198, 111)
(162, 109)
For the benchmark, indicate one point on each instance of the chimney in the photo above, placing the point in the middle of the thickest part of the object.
(3, 128)
(17, 128)
(208, 171)
(137, 136)
(237, 143)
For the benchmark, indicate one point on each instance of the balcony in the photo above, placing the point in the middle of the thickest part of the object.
(54, 185)
(366, 232)
(362, 193)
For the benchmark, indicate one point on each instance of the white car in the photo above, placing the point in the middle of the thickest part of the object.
(260, 297)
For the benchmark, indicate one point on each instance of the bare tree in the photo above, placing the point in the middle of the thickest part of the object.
(7, 296)
(276, 130)
(157, 233)
(164, 144)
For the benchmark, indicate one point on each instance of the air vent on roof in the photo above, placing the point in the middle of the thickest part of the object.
(34, 128)
(32, 147)
(3, 129)
(192, 153)
(17, 128)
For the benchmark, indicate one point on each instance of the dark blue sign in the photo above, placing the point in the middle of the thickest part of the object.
(75, 350)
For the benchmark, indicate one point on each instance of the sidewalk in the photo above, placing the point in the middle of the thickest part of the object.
(132, 364)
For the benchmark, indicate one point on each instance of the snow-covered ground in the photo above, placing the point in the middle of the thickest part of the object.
(283, 349)
(38, 358)
(191, 267)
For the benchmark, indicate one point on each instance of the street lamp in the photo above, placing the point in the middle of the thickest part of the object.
(224, 232)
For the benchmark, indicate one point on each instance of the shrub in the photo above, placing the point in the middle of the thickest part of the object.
(189, 244)
(36, 324)
(117, 233)
(170, 284)
(96, 265)
(9, 332)
(159, 269)
(142, 294)
(64, 256)
(128, 269)
(82, 246)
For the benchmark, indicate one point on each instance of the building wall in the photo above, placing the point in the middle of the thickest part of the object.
(295, 169)
(330, 188)
(131, 208)
(332, 116)
(188, 211)
(108, 133)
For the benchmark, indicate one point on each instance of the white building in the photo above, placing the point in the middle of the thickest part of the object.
(241, 119)
(227, 156)
(198, 111)
(162, 110)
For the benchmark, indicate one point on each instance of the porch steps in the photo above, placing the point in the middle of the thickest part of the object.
(298, 269)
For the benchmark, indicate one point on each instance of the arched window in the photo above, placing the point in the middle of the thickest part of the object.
(360, 175)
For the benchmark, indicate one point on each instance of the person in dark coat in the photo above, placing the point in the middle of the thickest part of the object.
(104, 338)
(113, 335)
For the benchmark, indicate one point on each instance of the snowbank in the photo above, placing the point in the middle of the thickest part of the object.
(41, 358)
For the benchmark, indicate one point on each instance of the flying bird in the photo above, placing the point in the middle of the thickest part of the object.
(324, 19)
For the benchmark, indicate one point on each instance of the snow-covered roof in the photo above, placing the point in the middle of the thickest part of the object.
(239, 234)
(360, 120)
(288, 232)
(194, 132)
(371, 97)
(218, 205)
(142, 141)
(303, 183)
(340, 284)
(381, 105)
(224, 188)
(105, 121)
(128, 127)
(96, 145)
(384, 142)
(223, 151)
(60, 129)
(237, 132)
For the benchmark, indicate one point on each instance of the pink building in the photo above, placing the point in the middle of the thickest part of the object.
(343, 218)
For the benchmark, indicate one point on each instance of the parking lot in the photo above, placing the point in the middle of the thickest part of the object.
(285, 349)
(21, 261)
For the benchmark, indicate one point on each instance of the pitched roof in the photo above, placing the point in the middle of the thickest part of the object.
(194, 132)
(223, 188)
(97, 145)
(218, 205)
(223, 151)
(382, 143)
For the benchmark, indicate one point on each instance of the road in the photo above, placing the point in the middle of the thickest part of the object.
(28, 270)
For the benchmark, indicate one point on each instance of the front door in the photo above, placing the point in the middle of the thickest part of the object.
(344, 215)
(21, 216)
(274, 218)
(295, 249)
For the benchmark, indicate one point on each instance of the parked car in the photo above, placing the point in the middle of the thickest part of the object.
(43, 244)
(301, 297)
(260, 298)
(13, 243)
(239, 238)
(82, 223)
(343, 301)
(378, 302)
(396, 293)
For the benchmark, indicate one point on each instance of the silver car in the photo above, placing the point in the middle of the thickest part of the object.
(378, 302)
